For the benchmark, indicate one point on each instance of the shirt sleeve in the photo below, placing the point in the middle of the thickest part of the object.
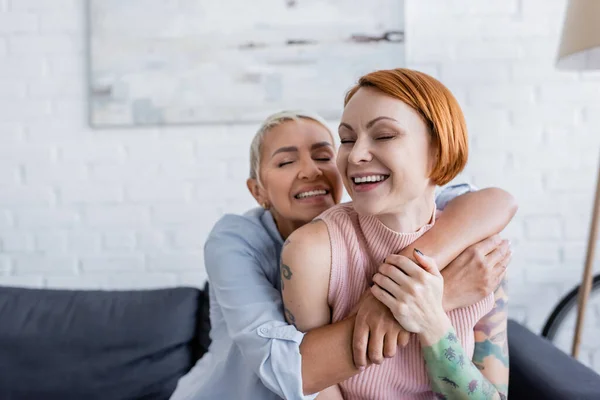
(447, 194)
(253, 312)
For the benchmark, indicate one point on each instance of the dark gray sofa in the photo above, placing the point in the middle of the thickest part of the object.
(113, 345)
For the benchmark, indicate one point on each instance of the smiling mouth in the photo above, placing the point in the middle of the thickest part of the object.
(363, 180)
(311, 193)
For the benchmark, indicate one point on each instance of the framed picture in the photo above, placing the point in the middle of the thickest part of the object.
(163, 62)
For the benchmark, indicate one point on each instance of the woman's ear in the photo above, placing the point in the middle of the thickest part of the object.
(257, 192)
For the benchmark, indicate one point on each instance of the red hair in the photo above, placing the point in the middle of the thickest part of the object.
(436, 105)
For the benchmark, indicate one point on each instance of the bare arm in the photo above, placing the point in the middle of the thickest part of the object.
(467, 220)
(305, 272)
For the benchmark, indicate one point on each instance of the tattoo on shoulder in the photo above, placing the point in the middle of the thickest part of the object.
(290, 317)
(286, 272)
(486, 349)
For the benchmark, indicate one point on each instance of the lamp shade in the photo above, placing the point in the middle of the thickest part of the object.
(580, 42)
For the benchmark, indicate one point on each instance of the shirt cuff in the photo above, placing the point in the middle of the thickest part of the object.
(450, 192)
(285, 359)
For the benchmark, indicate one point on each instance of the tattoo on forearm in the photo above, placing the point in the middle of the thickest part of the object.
(290, 317)
(451, 377)
(486, 349)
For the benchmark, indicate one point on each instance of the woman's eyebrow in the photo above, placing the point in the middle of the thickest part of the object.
(288, 149)
(369, 124)
(320, 145)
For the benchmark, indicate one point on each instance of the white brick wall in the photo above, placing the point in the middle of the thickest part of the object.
(130, 208)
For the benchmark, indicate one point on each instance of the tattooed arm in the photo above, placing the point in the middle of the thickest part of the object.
(486, 377)
(305, 270)
(414, 295)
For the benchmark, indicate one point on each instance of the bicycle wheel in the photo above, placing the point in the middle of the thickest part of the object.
(564, 308)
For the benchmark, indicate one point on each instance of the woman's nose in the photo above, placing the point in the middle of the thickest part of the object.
(309, 170)
(360, 153)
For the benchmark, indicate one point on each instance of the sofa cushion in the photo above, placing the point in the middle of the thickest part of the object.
(63, 344)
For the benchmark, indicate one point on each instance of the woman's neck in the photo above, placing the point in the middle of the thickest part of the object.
(412, 216)
(285, 226)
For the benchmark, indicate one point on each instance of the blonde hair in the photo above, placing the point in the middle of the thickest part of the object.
(270, 122)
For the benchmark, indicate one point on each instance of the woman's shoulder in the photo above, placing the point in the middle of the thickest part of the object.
(248, 229)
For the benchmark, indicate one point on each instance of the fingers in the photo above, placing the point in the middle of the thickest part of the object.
(498, 253)
(427, 263)
(403, 338)
(390, 345)
(391, 279)
(486, 246)
(383, 296)
(375, 349)
(360, 339)
(404, 264)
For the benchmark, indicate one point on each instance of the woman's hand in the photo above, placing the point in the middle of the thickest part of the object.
(413, 293)
(377, 334)
(476, 272)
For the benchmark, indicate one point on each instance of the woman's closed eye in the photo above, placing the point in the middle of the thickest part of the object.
(284, 163)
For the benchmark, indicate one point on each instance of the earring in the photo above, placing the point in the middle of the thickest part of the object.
(265, 205)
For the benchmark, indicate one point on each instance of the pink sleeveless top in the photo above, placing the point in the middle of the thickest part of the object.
(359, 244)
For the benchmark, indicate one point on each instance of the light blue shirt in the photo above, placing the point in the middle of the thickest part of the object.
(254, 354)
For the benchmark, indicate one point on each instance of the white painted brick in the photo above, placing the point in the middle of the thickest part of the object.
(151, 241)
(87, 282)
(118, 263)
(162, 151)
(18, 22)
(87, 151)
(201, 170)
(9, 174)
(43, 264)
(33, 218)
(4, 265)
(532, 9)
(54, 88)
(25, 109)
(591, 116)
(126, 216)
(541, 252)
(40, 173)
(430, 68)
(141, 281)
(431, 51)
(25, 196)
(476, 7)
(543, 227)
(205, 214)
(56, 131)
(11, 90)
(491, 49)
(89, 193)
(501, 95)
(476, 72)
(42, 5)
(179, 261)
(190, 239)
(570, 180)
(21, 66)
(577, 225)
(52, 242)
(27, 281)
(5, 219)
(84, 242)
(576, 252)
(27, 153)
(46, 44)
(157, 192)
(192, 279)
(16, 242)
(11, 133)
(536, 71)
(3, 48)
(511, 29)
(124, 172)
(65, 65)
(588, 94)
(65, 21)
(118, 241)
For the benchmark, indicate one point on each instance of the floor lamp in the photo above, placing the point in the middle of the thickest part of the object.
(579, 51)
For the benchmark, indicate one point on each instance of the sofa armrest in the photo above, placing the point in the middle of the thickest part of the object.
(539, 370)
